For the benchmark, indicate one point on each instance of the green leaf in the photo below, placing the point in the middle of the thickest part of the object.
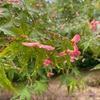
(5, 82)
(24, 27)
(86, 44)
(38, 63)
(70, 82)
(7, 31)
(64, 79)
(11, 74)
(11, 49)
(40, 87)
(24, 93)
(96, 67)
(76, 72)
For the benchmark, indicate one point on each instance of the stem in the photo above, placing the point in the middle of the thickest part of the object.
(6, 44)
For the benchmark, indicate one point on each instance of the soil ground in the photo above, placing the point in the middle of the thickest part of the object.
(91, 92)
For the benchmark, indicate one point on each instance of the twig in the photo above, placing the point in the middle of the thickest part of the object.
(13, 39)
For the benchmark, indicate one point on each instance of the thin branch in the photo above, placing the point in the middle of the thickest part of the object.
(6, 44)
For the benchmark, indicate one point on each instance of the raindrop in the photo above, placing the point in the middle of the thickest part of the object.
(13, 15)
(49, 20)
(40, 14)
(30, 20)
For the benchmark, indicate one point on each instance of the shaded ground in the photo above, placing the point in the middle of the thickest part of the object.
(92, 91)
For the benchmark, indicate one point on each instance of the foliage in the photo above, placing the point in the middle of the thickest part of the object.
(74, 19)
(38, 37)
(24, 92)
